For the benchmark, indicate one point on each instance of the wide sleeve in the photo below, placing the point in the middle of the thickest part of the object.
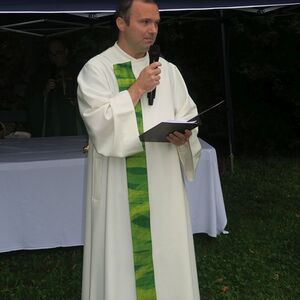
(185, 109)
(108, 114)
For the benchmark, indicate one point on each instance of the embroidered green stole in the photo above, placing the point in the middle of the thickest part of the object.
(138, 201)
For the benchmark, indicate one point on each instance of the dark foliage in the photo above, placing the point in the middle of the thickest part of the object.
(265, 74)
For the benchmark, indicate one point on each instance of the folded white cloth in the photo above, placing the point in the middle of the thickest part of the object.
(18, 135)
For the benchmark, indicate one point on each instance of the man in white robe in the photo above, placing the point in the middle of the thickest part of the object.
(111, 122)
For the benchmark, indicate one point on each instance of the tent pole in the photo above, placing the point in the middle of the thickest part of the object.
(227, 88)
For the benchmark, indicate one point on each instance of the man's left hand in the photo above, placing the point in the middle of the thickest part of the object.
(177, 138)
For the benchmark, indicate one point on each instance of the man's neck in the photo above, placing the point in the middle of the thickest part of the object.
(129, 51)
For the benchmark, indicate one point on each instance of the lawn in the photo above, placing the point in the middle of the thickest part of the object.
(258, 259)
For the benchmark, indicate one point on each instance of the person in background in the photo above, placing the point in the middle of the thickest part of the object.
(138, 238)
(53, 107)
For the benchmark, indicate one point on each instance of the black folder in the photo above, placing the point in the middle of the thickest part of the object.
(159, 132)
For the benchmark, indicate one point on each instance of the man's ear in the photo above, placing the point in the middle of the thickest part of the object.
(120, 24)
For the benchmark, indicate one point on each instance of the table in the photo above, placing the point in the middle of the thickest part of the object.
(42, 193)
(205, 195)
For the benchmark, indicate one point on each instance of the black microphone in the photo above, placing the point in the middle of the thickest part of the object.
(154, 53)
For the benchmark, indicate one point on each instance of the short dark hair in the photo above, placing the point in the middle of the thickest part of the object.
(123, 9)
(54, 40)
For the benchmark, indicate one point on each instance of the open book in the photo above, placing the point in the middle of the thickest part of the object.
(159, 132)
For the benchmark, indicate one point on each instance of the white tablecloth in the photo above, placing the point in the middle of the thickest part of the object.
(42, 193)
(205, 195)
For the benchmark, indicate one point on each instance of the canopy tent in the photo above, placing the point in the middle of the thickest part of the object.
(70, 6)
(50, 17)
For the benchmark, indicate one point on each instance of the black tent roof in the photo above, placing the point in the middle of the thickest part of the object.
(56, 17)
(109, 5)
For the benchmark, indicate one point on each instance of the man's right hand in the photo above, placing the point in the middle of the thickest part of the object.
(146, 82)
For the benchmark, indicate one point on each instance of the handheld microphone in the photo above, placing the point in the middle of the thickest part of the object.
(154, 53)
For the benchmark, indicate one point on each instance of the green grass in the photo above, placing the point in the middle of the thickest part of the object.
(259, 259)
(53, 274)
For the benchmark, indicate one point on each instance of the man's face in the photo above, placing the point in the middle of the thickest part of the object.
(137, 36)
(58, 54)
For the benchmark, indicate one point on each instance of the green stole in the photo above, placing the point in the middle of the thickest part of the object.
(138, 201)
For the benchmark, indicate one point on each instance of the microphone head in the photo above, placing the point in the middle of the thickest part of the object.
(154, 53)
